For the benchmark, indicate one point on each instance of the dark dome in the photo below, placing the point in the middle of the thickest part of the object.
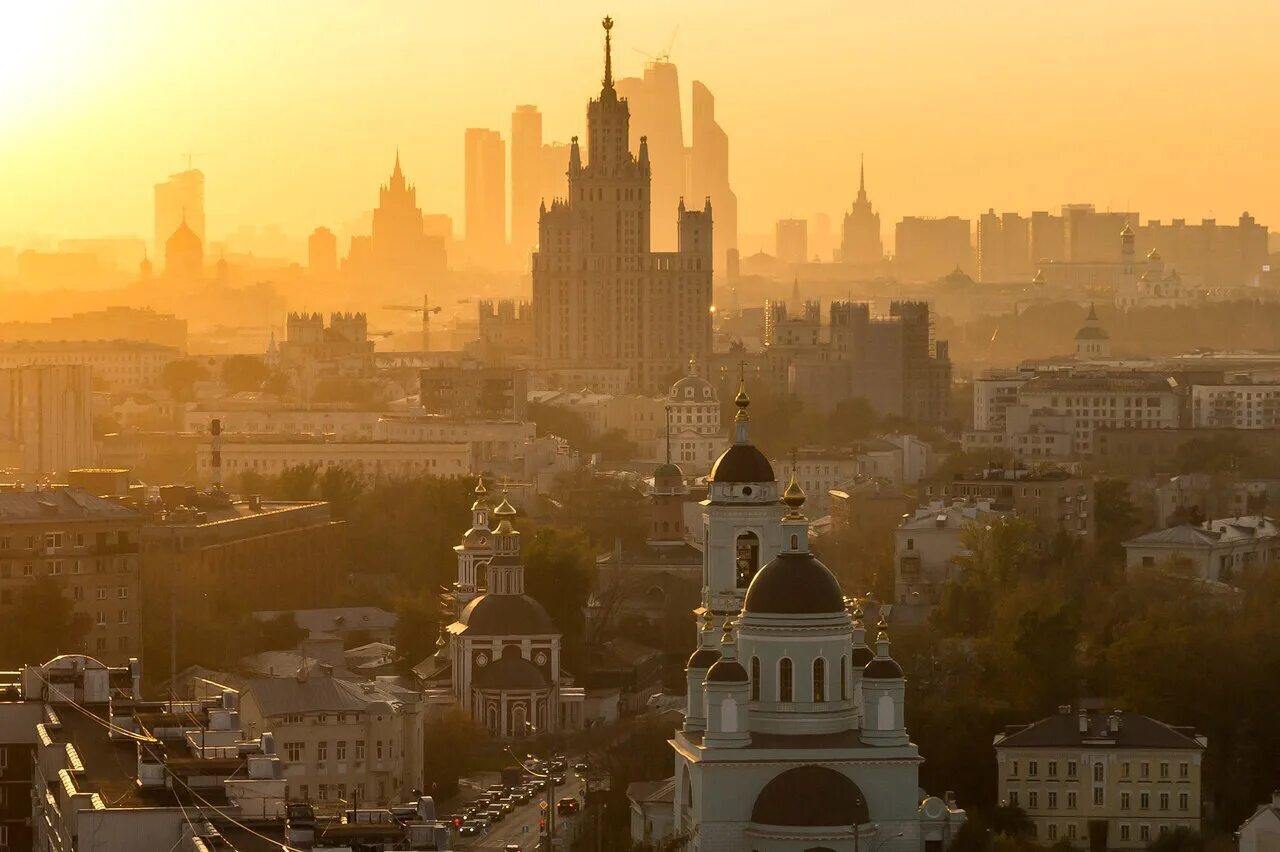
(794, 583)
(693, 389)
(510, 672)
(668, 470)
(810, 796)
(506, 615)
(741, 463)
(727, 671)
(861, 656)
(703, 658)
(1092, 332)
(882, 670)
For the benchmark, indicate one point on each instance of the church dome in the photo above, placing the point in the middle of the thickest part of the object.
(1092, 333)
(886, 669)
(668, 471)
(810, 796)
(512, 671)
(692, 389)
(741, 463)
(794, 584)
(861, 656)
(506, 615)
(727, 671)
(703, 658)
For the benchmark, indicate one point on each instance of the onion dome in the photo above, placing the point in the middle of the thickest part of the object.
(727, 669)
(794, 584)
(793, 496)
(1092, 328)
(506, 512)
(706, 654)
(742, 462)
(811, 796)
(1039, 277)
(882, 666)
(692, 388)
(1153, 255)
(1127, 232)
(861, 653)
(506, 615)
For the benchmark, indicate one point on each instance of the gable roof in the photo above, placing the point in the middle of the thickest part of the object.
(1063, 729)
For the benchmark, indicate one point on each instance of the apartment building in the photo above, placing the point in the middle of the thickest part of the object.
(1102, 780)
(340, 740)
(1240, 406)
(928, 544)
(46, 419)
(1217, 550)
(1055, 499)
(269, 455)
(90, 546)
(1130, 401)
(118, 364)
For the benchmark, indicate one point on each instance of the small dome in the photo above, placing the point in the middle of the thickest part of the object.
(183, 239)
(511, 672)
(1128, 231)
(692, 389)
(861, 656)
(1153, 255)
(1089, 332)
(667, 470)
(741, 463)
(703, 658)
(727, 671)
(507, 615)
(794, 583)
(882, 669)
(810, 796)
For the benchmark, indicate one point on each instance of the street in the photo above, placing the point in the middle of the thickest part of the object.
(521, 825)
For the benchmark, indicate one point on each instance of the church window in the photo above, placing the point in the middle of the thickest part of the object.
(784, 679)
(844, 678)
(819, 680)
(748, 558)
(755, 678)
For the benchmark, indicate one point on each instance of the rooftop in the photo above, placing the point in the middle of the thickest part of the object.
(62, 503)
(1095, 728)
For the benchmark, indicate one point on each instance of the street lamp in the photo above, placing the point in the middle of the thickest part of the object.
(551, 789)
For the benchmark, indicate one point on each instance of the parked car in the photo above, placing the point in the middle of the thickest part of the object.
(567, 805)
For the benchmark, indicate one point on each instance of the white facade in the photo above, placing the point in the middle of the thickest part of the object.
(992, 394)
(370, 460)
(1235, 406)
(926, 547)
(1217, 550)
(1128, 402)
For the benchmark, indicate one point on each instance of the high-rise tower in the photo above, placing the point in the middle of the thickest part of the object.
(486, 187)
(861, 241)
(526, 176)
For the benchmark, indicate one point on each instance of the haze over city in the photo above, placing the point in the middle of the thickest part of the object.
(957, 106)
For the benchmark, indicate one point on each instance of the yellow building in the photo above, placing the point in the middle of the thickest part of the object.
(1102, 781)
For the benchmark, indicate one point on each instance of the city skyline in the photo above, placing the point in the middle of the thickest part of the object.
(302, 144)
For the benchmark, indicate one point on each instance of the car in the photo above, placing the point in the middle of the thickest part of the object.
(494, 815)
(580, 768)
(522, 795)
(470, 828)
(506, 807)
(559, 765)
(495, 788)
(567, 805)
(482, 819)
(511, 847)
(559, 779)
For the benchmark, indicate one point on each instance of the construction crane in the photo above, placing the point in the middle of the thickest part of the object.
(426, 309)
(664, 56)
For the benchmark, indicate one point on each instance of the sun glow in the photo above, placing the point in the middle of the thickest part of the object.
(48, 53)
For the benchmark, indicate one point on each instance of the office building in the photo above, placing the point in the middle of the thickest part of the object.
(399, 257)
(791, 241)
(485, 164)
(46, 419)
(601, 296)
(322, 254)
(526, 177)
(1099, 780)
(179, 199)
(927, 249)
(709, 171)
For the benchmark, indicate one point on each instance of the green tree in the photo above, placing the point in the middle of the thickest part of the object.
(450, 743)
(852, 418)
(244, 373)
(40, 624)
(1116, 516)
(281, 633)
(419, 616)
(341, 489)
(179, 377)
(605, 509)
(558, 574)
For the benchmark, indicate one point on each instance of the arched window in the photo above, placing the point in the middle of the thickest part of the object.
(819, 680)
(844, 678)
(748, 558)
(795, 542)
(784, 679)
(755, 678)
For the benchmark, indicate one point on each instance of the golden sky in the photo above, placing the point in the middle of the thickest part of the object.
(294, 108)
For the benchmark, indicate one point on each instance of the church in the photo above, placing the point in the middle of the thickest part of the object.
(499, 660)
(794, 737)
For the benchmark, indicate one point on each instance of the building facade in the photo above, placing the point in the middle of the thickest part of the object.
(601, 297)
(1102, 781)
(46, 419)
(117, 364)
(1219, 550)
(371, 461)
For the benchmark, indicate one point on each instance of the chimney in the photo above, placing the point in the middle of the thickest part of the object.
(215, 446)
(1084, 722)
(1113, 723)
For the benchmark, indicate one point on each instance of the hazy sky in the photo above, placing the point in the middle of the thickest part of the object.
(293, 108)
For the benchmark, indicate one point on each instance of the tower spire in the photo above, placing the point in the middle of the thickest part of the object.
(607, 23)
(862, 178)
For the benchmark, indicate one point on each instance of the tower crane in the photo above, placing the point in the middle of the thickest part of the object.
(426, 309)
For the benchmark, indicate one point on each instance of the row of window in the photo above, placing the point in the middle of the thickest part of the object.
(56, 567)
(786, 679)
(1144, 769)
(77, 593)
(339, 792)
(296, 752)
(1071, 832)
(1099, 800)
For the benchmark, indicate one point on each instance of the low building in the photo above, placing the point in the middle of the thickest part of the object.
(1261, 831)
(1218, 550)
(340, 740)
(90, 547)
(897, 459)
(371, 461)
(269, 417)
(473, 392)
(1102, 780)
(928, 544)
(116, 364)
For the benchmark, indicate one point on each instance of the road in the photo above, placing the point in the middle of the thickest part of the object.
(521, 825)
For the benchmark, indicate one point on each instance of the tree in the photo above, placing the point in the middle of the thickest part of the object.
(244, 373)
(852, 418)
(340, 488)
(418, 619)
(449, 745)
(281, 633)
(40, 624)
(558, 574)
(1116, 515)
(605, 509)
(179, 377)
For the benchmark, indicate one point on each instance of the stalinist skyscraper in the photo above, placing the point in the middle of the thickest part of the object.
(861, 243)
(601, 297)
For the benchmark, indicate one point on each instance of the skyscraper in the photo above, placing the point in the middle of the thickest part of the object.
(486, 189)
(601, 297)
(655, 114)
(322, 254)
(1004, 247)
(709, 167)
(861, 242)
(399, 257)
(791, 240)
(178, 198)
(526, 175)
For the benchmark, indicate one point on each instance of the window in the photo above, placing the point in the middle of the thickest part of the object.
(122, 592)
(1097, 772)
(1053, 831)
(1144, 833)
(784, 679)
(1013, 769)
(359, 749)
(322, 751)
(1124, 800)
(1072, 802)
(1053, 769)
(1164, 769)
(293, 751)
(323, 795)
(1053, 800)
(1124, 769)
(1033, 800)
(340, 750)
(1013, 797)
(293, 720)
(1071, 831)
(1184, 801)
(100, 619)
(1144, 769)
(1164, 801)
(1071, 769)
(122, 617)
(102, 593)
(342, 792)
(1183, 770)
(755, 678)
(844, 678)
(819, 680)
(1033, 768)
(377, 749)
(304, 791)
(1098, 797)
(1124, 831)
(1144, 801)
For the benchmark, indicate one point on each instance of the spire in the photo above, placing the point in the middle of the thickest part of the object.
(607, 23)
(668, 434)
(862, 174)
(396, 172)
(1093, 313)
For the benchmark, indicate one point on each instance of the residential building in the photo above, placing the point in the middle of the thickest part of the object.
(791, 241)
(340, 740)
(928, 544)
(345, 622)
(1055, 500)
(1219, 550)
(896, 459)
(116, 364)
(526, 171)
(322, 254)
(1235, 406)
(1150, 451)
(601, 296)
(371, 461)
(709, 172)
(46, 419)
(1101, 780)
(474, 392)
(927, 249)
(693, 435)
(485, 165)
(819, 470)
(794, 735)
(90, 547)
(112, 323)
(993, 392)
(1140, 401)
(1261, 831)
(270, 417)
(1003, 247)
